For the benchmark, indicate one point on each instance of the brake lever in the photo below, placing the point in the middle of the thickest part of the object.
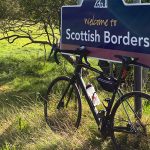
(83, 48)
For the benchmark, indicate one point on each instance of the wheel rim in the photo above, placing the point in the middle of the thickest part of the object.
(135, 127)
(66, 116)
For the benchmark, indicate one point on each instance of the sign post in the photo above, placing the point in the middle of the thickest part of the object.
(138, 82)
(138, 87)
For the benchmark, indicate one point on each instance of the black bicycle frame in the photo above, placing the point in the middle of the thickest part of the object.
(77, 79)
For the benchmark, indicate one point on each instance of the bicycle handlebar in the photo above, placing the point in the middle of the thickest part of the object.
(81, 51)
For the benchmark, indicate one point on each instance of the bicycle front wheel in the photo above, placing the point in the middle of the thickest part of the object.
(131, 125)
(62, 106)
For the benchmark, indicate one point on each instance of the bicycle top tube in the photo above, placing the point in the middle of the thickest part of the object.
(81, 51)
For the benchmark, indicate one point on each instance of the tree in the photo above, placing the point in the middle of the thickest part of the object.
(36, 20)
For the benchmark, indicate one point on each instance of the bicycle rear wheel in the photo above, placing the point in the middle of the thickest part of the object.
(62, 112)
(131, 129)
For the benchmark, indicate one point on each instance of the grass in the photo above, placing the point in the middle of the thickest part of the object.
(24, 78)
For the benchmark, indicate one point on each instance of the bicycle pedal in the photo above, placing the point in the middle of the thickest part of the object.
(101, 113)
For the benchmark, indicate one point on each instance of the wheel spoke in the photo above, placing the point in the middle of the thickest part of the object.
(62, 99)
(128, 126)
(69, 97)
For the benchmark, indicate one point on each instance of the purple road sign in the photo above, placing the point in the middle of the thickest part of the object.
(108, 28)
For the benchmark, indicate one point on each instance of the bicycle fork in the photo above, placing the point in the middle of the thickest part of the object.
(61, 102)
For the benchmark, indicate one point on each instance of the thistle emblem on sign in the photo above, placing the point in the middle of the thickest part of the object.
(100, 4)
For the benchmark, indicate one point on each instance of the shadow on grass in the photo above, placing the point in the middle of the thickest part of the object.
(92, 141)
(20, 133)
(96, 142)
(23, 81)
(12, 133)
(60, 123)
(131, 141)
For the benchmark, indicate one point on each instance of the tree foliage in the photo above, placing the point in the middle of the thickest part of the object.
(9, 9)
(36, 20)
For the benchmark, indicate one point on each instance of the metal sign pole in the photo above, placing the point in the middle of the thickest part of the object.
(138, 82)
(79, 2)
(138, 87)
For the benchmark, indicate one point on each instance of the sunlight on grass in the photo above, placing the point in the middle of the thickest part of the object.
(24, 78)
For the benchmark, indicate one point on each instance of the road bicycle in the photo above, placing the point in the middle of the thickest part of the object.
(128, 116)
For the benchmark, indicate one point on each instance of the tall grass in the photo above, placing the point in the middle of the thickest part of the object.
(24, 78)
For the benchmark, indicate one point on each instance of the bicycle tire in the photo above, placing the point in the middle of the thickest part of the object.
(63, 117)
(131, 131)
